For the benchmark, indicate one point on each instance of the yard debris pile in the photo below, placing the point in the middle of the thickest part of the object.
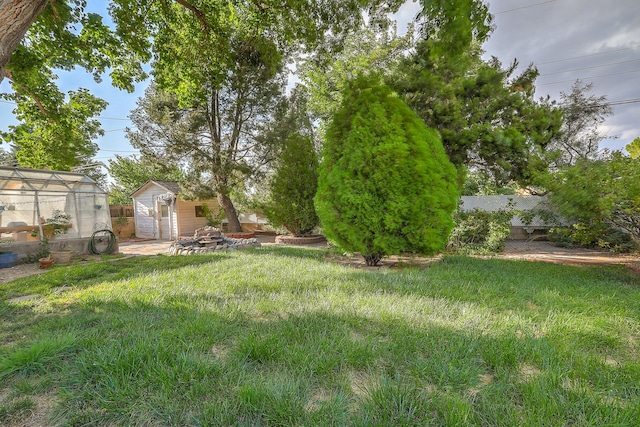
(209, 239)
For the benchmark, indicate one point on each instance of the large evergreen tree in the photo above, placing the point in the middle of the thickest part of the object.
(385, 184)
(488, 119)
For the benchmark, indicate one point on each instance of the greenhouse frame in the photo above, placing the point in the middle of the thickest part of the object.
(60, 209)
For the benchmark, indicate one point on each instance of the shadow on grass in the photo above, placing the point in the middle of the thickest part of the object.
(140, 363)
(89, 274)
(291, 252)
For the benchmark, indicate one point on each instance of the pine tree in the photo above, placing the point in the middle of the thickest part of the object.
(293, 187)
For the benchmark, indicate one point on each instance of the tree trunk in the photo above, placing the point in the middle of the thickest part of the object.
(16, 16)
(230, 211)
(372, 260)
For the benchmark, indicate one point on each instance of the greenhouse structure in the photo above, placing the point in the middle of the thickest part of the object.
(61, 210)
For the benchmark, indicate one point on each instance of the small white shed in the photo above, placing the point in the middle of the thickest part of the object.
(160, 213)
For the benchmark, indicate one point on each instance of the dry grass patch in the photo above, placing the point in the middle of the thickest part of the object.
(32, 411)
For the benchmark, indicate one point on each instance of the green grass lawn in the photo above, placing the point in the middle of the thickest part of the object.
(280, 336)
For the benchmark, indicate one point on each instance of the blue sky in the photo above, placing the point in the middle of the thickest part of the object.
(594, 40)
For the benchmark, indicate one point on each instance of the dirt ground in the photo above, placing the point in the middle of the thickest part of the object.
(515, 249)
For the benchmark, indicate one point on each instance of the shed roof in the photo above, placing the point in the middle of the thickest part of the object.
(169, 186)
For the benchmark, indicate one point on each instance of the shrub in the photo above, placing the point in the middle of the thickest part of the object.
(481, 232)
(385, 184)
(582, 235)
(602, 200)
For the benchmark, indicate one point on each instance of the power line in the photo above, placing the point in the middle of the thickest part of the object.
(586, 78)
(591, 54)
(523, 7)
(625, 101)
(589, 68)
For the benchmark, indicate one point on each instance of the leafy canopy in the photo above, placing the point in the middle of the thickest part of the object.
(191, 44)
(600, 195)
(56, 130)
(633, 148)
(385, 183)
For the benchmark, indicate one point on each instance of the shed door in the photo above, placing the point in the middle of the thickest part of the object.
(164, 225)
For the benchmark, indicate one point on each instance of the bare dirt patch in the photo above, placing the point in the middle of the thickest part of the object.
(529, 372)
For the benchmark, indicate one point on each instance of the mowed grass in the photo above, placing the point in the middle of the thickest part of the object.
(282, 337)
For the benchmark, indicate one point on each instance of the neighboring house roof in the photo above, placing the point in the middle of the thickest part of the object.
(169, 186)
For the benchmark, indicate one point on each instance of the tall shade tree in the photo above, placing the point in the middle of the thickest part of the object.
(57, 130)
(223, 63)
(216, 143)
(60, 139)
(581, 133)
(372, 48)
(190, 43)
(385, 184)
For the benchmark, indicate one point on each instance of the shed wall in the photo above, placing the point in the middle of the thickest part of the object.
(188, 222)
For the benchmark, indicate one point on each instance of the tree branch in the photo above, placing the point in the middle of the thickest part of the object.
(25, 90)
(199, 14)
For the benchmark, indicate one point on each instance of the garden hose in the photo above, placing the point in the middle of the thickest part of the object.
(102, 242)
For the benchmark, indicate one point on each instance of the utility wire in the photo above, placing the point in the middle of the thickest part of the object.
(589, 68)
(589, 77)
(625, 101)
(588, 55)
(523, 7)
